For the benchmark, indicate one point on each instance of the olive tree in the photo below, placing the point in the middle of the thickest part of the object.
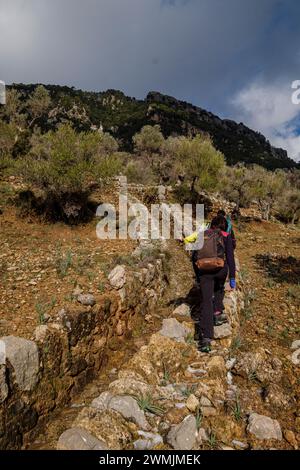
(38, 103)
(63, 166)
(237, 185)
(148, 142)
(199, 161)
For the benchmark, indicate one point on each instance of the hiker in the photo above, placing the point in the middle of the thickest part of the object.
(214, 260)
(192, 239)
(229, 228)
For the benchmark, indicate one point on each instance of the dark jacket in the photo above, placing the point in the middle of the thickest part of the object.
(229, 254)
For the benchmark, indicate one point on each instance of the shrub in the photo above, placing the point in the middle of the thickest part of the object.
(60, 170)
(148, 142)
(200, 162)
(138, 173)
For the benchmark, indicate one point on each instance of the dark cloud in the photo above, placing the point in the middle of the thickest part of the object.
(203, 51)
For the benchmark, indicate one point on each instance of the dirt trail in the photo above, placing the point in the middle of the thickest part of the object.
(207, 401)
(180, 282)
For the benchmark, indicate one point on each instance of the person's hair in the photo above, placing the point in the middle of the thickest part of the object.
(221, 212)
(219, 222)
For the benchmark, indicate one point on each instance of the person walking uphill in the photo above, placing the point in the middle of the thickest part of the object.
(214, 260)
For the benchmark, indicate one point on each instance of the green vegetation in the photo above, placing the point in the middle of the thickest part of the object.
(60, 169)
(146, 404)
(294, 294)
(64, 142)
(199, 418)
(43, 309)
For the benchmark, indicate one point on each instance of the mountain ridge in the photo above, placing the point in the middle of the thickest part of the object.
(123, 116)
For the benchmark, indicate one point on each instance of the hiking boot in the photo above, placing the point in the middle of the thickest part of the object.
(220, 318)
(204, 345)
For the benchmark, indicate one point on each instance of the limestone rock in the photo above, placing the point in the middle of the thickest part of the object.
(276, 397)
(40, 333)
(128, 407)
(295, 344)
(208, 411)
(192, 403)
(202, 435)
(183, 436)
(295, 358)
(24, 358)
(204, 401)
(183, 310)
(266, 369)
(108, 426)
(240, 444)
(79, 439)
(264, 427)
(216, 366)
(101, 403)
(129, 386)
(291, 438)
(172, 328)
(117, 277)
(148, 441)
(176, 415)
(86, 299)
(77, 291)
(222, 331)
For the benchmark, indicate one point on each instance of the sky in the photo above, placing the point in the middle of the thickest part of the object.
(236, 58)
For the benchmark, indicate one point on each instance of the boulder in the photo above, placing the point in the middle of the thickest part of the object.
(204, 401)
(291, 438)
(23, 356)
(128, 407)
(216, 366)
(86, 299)
(79, 439)
(208, 411)
(148, 441)
(264, 368)
(222, 331)
(183, 310)
(295, 344)
(108, 426)
(263, 427)
(295, 357)
(239, 444)
(125, 405)
(172, 328)
(130, 386)
(40, 333)
(101, 403)
(202, 436)
(192, 403)
(183, 436)
(117, 277)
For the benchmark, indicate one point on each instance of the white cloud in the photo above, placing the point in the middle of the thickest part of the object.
(268, 108)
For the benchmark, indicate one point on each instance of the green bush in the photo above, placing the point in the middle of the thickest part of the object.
(61, 169)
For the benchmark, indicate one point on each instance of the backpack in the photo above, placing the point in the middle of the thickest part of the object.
(212, 255)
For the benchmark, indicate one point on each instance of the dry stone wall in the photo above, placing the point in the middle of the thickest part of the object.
(38, 376)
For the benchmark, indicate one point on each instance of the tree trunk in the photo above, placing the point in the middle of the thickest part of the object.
(193, 183)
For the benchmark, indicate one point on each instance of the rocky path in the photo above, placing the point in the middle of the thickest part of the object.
(158, 392)
(162, 393)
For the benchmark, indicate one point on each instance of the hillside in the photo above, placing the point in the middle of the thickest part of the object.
(123, 116)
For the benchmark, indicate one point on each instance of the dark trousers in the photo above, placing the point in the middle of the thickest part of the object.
(212, 295)
(196, 270)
